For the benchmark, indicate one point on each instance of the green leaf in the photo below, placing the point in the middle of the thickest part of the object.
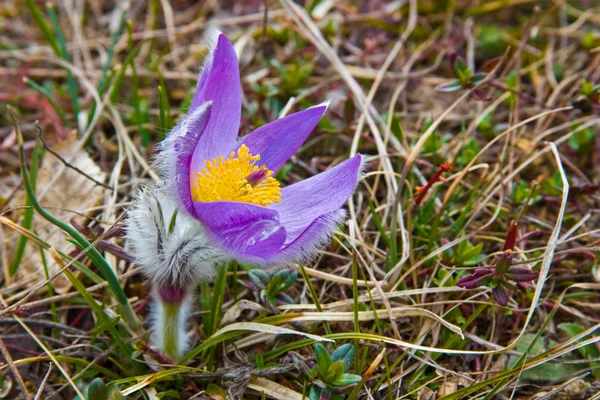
(589, 351)
(486, 126)
(259, 360)
(115, 394)
(587, 88)
(553, 185)
(216, 391)
(464, 76)
(590, 40)
(283, 172)
(315, 392)
(107, 325)
(259, 278)
(449, 87)
(478, 77)
(169, 394)
(97, 390)
(460, 66)
(346, 379)
(396, 127)
(548, 371)
(324, 360)
(281, 281)
(581, 140)
(336, 369)
(344, 353)
(469, 152)
(468, 255)
(521, 191)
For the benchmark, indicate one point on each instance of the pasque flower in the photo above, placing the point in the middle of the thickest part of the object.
(226, 202)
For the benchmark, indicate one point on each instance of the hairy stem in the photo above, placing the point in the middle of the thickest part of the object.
(171, 331)
(170, 321)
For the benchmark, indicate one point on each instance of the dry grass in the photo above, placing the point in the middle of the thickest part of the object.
(387, 284)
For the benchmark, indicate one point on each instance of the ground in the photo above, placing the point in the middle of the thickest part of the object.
(467, 267)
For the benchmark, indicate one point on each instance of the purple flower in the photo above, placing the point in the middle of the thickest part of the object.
(227, 184)
(219, 199)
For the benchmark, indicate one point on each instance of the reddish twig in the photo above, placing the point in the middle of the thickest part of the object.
(437, 177)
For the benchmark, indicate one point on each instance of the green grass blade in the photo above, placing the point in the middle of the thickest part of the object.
(46, 93)
(50, 287)
(140, 112)
(27, 215)
(92, 252)
(64, 54)
(103, 85)
(315, 297)
(39, 20)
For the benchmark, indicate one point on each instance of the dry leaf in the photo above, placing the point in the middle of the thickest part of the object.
(62, 196)
(273, 389)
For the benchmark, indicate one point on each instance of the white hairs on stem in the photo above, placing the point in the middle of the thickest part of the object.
(169, 325)
(171, 248)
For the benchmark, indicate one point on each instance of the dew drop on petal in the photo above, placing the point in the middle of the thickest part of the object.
(264, 235)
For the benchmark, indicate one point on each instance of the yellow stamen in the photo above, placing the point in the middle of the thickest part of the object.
(228, 180)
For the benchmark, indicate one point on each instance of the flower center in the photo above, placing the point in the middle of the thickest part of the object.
(237, 178)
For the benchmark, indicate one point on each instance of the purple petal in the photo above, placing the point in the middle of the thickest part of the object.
(277, 141)
(219, 83)
(175, 154)
(303, 202)
(246, 232)
(315, 236)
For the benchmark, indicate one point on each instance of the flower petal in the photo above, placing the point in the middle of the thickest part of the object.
(315, 236)
(219, 83)
(303, 202)
(277, 141)
(245, 232)
(175, 153)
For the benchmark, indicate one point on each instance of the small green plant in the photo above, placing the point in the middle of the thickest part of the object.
(466, 78)
(331, 375)
(512, 79)
(260, 361)
(468, 153)
(523, 192)
(273, 285)
(590, 92)
(590, 40)
(582, 140)
(466, 255)
(97, 390)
